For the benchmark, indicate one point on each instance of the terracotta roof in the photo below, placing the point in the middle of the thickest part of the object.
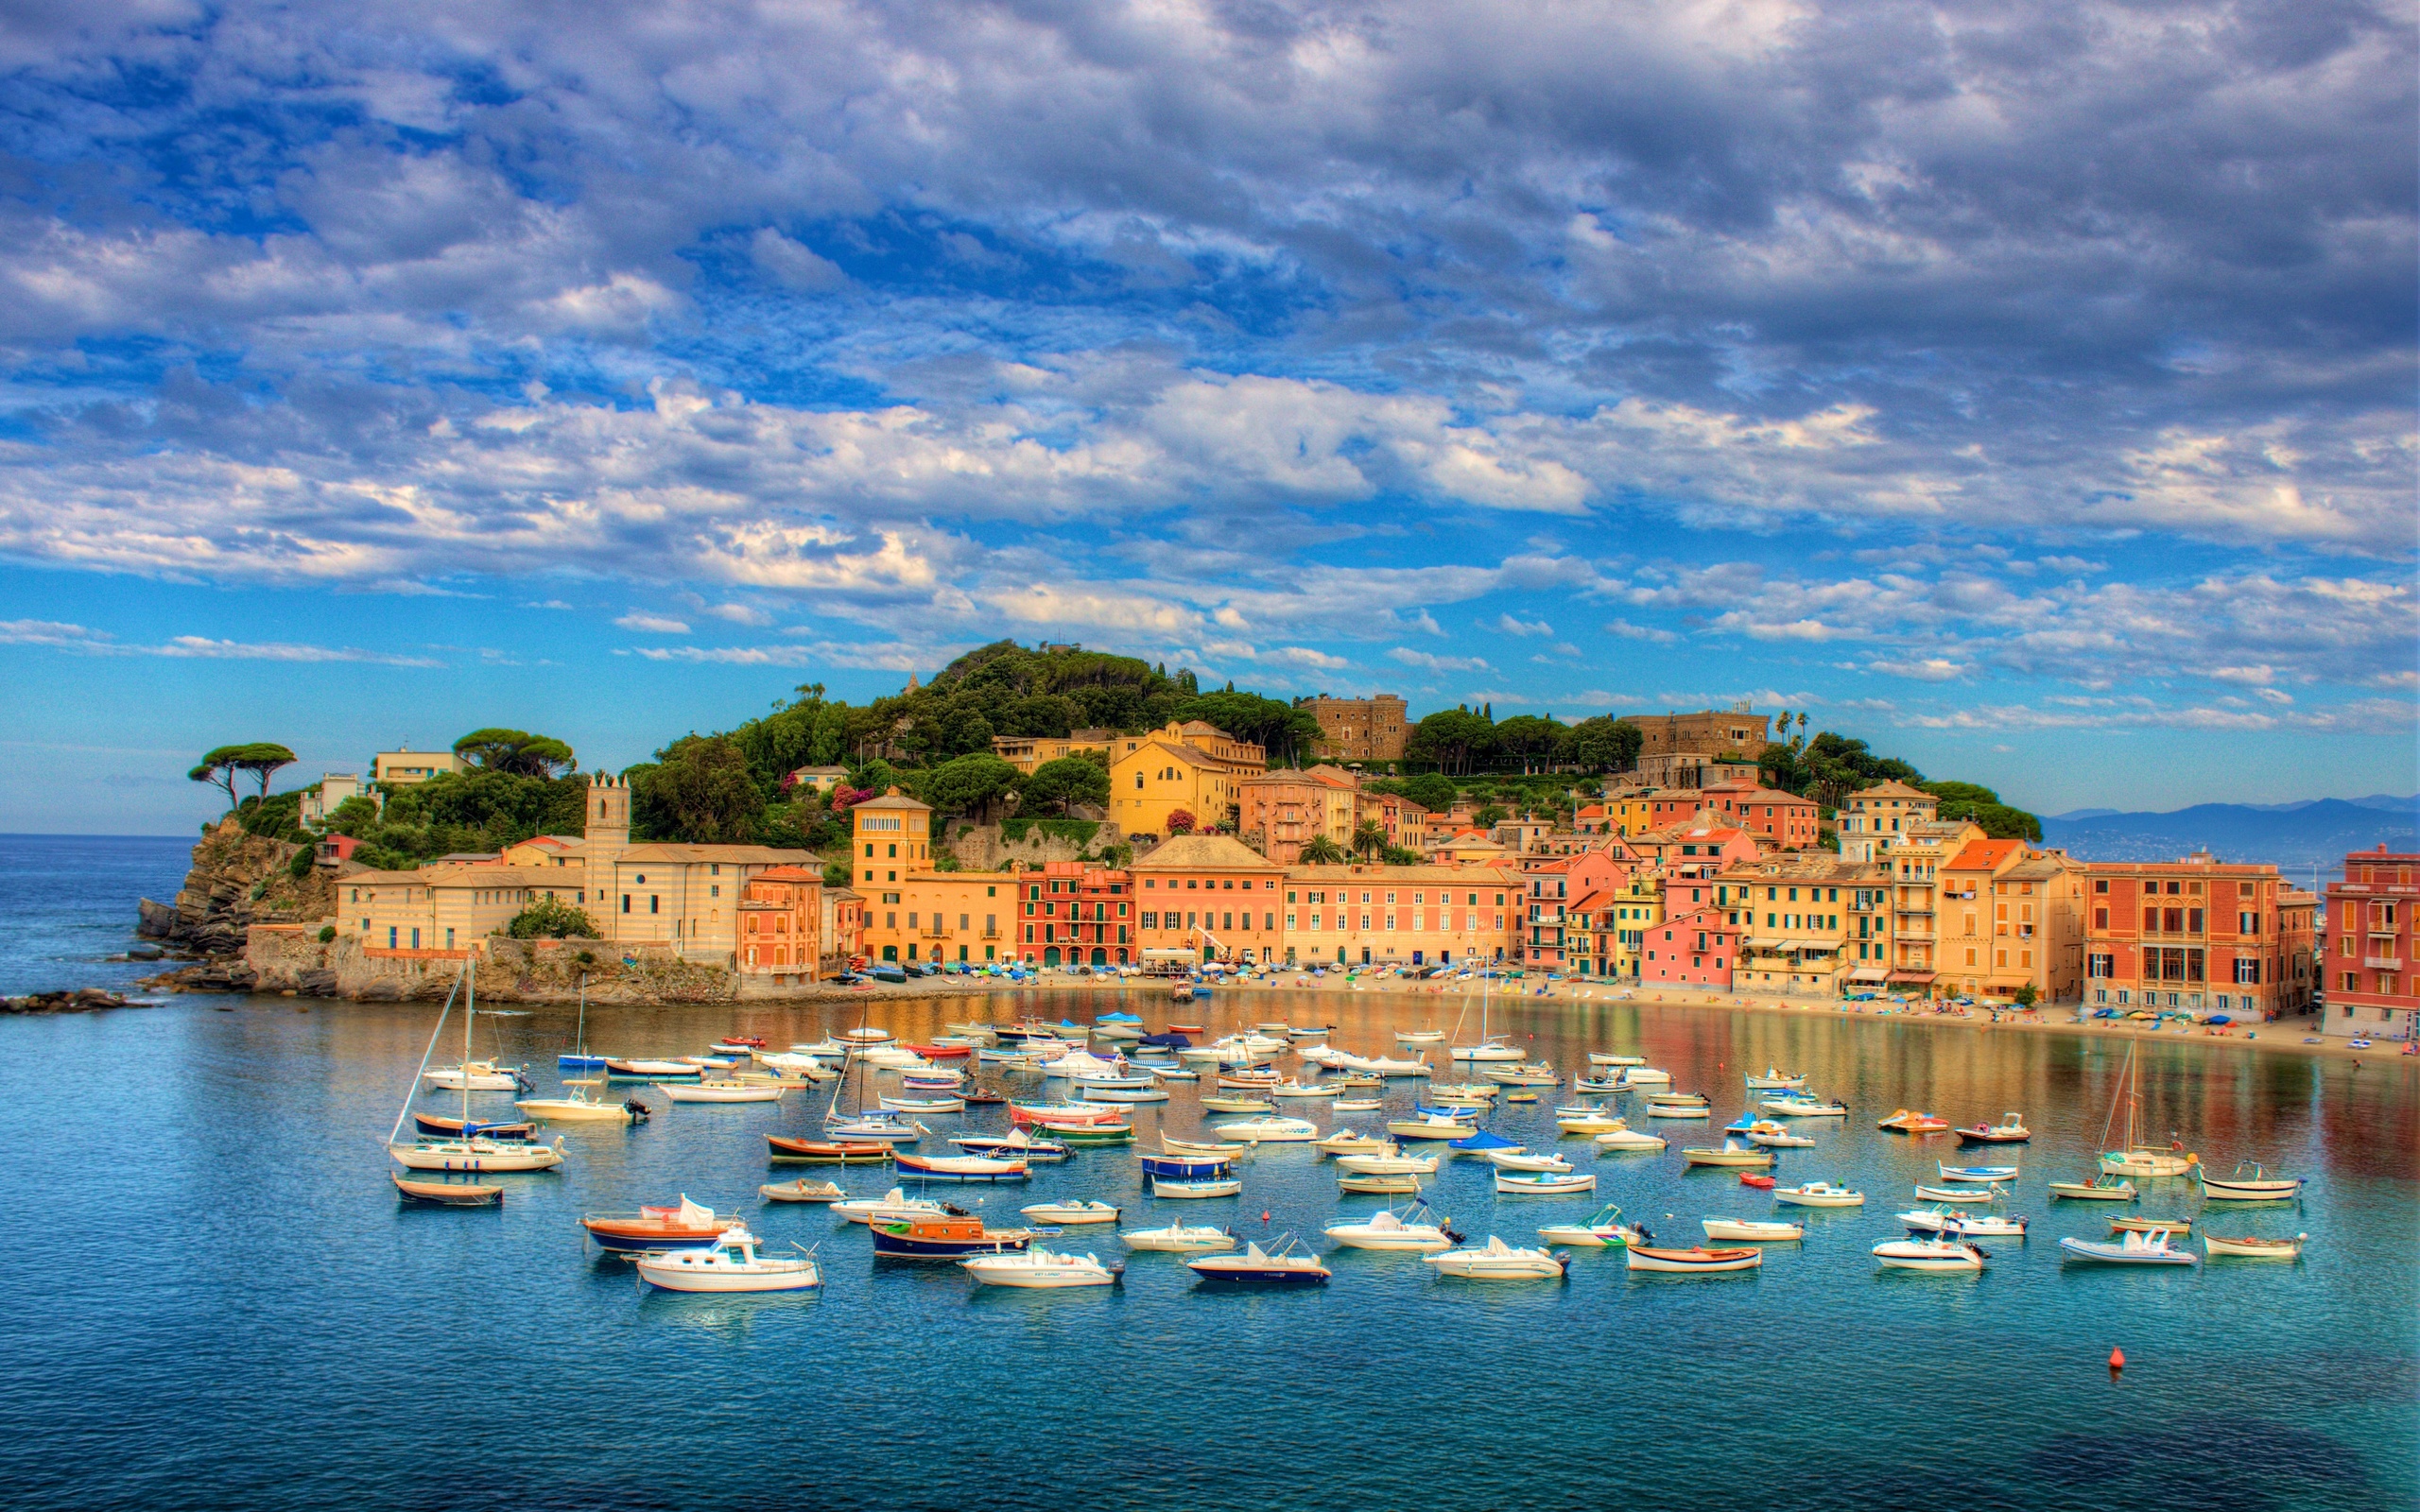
(727, 854)
(892, 799)
(1982, 855)
(1893, 788)
(786, 874)
(1203, 853)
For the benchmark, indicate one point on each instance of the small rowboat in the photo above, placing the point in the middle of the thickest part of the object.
(1818, 1195)
(801, 1190)
(723, 1091)
(1929, 1254)
(2010, 1129)
(827, 1152)
(917, 1105)
(2132, 1248)
(1907, 1121)
(1239, 1104)
(1752, 1178)
(1396, 1163)
(1378, 1185)
(448, 1194)
(1985, 1193)
(1730, 1155)
(1351, 1142)
(1628, 1141)
(1180, 1239)
(1230, 1187)
(1803, 1107)
(2099, 1188)
(456, 1128)
(1216, 1151)
(1986, 1174)
(1773, 1080)
(1016, 1145)
(1256, 1266)
(1693, 1262)
(894, 1206)
(959, 1167)
(1516, 1159)
(2257, 1187)
(1677, 1111)
(2152, 1225)
(1753, 1230)
(651, 1070)
(740, 1042)
(2251, 1248)
(1607, 1058)
(1679, 1099)
(1543, 1183)
(669, 1228)
(941, 1052)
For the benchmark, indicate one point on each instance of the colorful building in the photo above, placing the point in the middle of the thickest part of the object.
(2199, 935)
(924, 915)
(1193, 768)
(2370, 958)
(1548, 892)
(2011, 918)
(1795, 915)
(1029, 752)
(1280, 812)
(1406, 916)
(780, 926)
(1693, 950)
(1212, 895)
(1874, 816)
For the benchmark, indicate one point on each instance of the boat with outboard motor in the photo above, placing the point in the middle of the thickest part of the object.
(1040, 1269)
(1411, 1227)
(801, 1190)
(1753, 1230)
(1818, 1195)
(1282, 1265)
(959, 1167)
(729, 1263)
(1604, 1229)
(948, 1237)
(1180, 1239)
(1496, 1261)
(2248, 1247)
(1933, 1254)
(2256, 1187)
(2101, 1188)
(787, 1151)
(2132, 1247)
(1543, 1183)
(2010, 1129)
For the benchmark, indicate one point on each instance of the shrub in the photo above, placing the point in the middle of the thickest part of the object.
(551, 919)
(300, 867)
(327, 932)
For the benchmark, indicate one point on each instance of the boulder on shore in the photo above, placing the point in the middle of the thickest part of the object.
(81, 1000)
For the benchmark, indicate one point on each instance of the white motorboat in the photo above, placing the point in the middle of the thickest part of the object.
(724, 1092)
(730, 1264)
(1976, 1175)
(1818, 1195)
(1238, 1104)
(1543, 1183)
(865, 1034)
(1227, 1187)
(1404, 1185)
(476, 1154)
(1496, 1261)
(1411, 1227)
(1527, 1073)
(1753, 1231)
(1268, 1131)
(1180, 1239)
(1628, 1141)
(1379, 1065)
(1302, 1088)
(1773, 1080)
(1607, 1058)
(1042, 1270)
(1357, 1105)
(894, 1206)
(1087, 1210)
(1671, 1098)
(1941, 1220)
(1255, 1266)
(1604, 1231)
(1679, 1111)
(1929, 1254)
(2259, 1186)
(1802, 1108)
(1436, 1125)
(801, 1190)
(1740, 1155)
(1586, 1118)
(2251, 1248)
(1461, 1094)
(1773, 1136)
(1420, 1037)
(2101, 1188)
(1352, 1141)
(2132, 1247)
(1122, 1094)
(477, 1076)
(1695, 1262)
(1523, 1160)
(1391, 1163)
(576, 1106)
(1634, 1077)
(1983, 1193)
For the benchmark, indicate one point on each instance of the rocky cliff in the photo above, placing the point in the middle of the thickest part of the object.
(236, 881)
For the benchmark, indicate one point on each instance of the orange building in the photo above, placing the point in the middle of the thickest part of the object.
(2371, 961)
(1280, 812)
(780, 926)
(1211, 895)
(1077, 913)
(2198, 935)
(2011, 917)
(1552, 888)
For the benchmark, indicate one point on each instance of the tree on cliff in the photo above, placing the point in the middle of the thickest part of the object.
(517, 751)
(259, 758)
(699, 790)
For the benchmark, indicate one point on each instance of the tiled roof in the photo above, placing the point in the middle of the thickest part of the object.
(1203, 853)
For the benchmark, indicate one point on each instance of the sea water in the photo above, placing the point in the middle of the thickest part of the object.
(216, 1299)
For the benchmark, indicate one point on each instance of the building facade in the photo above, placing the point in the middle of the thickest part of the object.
(1694, 950)
(1192, 767)
(1360, 729)
(1210, 894)
(1280, 812)
(2011, 918)
(1796, 916)
(2196, 934)
(1404, 916)
(1028, 752)
(1710, 730)
(1874, 816)
(2369, 961)
(409, 765)
(780, 926)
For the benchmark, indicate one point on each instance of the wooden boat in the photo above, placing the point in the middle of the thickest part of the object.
(1121, 1094)
(2150, 1225)
(1909, 1121)
(1302, 1088)
(1818, 1195)
(912, 1106)
(669, 1228)
(1773, 1080)
(959, 1167)
(1239, 1104)
(1528, 1074)
(1117, 1131)
(827, 1152)
(447, 1193)
(1543, 1183)
(2248, 1247)
(1612, 1057)
(730, 1264)
(801, 1190)
(1976, 1175)
(2101, 1188)
(1679, 1111)
(1084, 1211)
(740, 1042)
(617, 1070)
(2010, 1129)
(446, 1126)
(1730, 1155)
(724, 1092)
(1753, 1230)
(1411, 1227)
(1216, 1150)
(1187, 1167)
(1268, 1131)
(1496, 1261)
(2257, 1187)
(1063, 1115)
(1039, 1269)
(1016, 1145)
(1351, 1142)
(1929, 1254)
(1420, 1037)
(2131, 1248)
(1357, 1105)
(1604, 1229)
(1226, 1187)
(1405, 1184)
(1673, 1099)
(1392, 1161)
(1981, 1194)
(1517, 1159)
(949, 1237)
(1275, 1267)
(1180, 1239)
(1586, 1118)
(1699, 1261)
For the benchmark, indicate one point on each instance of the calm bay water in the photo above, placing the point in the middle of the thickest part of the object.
(221, 1303)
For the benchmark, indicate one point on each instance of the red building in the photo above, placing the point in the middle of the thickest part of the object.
(1695, 949)
(1552, 888)
(1078, 913)
(2197, 935)
(780, 923)
(2368, 966)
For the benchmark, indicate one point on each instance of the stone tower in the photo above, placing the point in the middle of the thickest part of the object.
(606, 834)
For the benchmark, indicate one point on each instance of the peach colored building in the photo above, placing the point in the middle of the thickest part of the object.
(781, 925)
(1280, 812)
(2370, 949)
(1211, 894)
(2197, 935)
(1410, 915)
(1693, 950)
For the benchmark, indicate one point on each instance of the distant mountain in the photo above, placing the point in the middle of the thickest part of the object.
(2294, 836)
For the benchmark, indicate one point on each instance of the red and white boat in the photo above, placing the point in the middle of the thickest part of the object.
(959, 1167)
(941, 1052)
(658, 1227)
(1065, 1115)
(1908, 1121)
(1695, 1262)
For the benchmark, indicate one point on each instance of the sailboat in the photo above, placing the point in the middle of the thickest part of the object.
(576, 1106)
(888, 1129)
(2136, 1159)
(1489, 1047)
(471, 1150)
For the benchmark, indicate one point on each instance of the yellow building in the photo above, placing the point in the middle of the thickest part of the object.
(890, 835)
(1629, 911)
(1027, 752)
(1194, 767)
(940, 916)
(439, 909)
(1911, 863)
(1873, 816)
(409, 765)
(1797, 916)
(2013, 917)
(1629, 815)
(1408, 916)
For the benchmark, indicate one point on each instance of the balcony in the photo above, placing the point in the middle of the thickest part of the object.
(2383, 963)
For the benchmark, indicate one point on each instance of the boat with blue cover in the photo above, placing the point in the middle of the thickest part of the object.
(1186, 1167)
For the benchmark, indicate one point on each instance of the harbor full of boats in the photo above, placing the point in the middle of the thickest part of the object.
(1185, 1138)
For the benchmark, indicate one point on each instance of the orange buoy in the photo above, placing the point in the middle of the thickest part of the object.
(2117, 1361)
(1264, 1215)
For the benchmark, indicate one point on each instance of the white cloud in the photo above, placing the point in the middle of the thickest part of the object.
(739, 613)
(1641, 633)
(1428, 662)
(1924, 669)
(77, 638)
(1511, 626)
(652, 624)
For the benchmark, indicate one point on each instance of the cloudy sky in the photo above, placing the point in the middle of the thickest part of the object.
(2027, 390)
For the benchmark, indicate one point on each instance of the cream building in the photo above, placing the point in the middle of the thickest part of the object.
(1873, 816)
(1797, 916)
(1911, 864)
(409, 765)
(1028, 752)
(1407, 916)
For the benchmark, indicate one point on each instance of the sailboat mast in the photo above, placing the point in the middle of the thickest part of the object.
(470, 1011)
(413, 1091)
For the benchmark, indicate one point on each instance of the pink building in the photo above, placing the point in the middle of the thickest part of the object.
(1695, 949)
(2369, 948)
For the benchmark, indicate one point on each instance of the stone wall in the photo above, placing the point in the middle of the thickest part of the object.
(981, 848)
(292, 958)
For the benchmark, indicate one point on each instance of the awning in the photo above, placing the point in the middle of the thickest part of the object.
(1869, 974)
(1913, 976)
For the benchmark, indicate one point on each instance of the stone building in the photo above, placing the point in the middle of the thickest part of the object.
(1360, 729)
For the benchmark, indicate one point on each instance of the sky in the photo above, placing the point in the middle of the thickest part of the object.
(2027, 390)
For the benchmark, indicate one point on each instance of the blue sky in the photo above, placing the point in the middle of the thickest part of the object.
(2029, 394)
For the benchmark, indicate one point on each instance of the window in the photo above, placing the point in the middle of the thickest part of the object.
(2101, 918)
(2247, 971)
